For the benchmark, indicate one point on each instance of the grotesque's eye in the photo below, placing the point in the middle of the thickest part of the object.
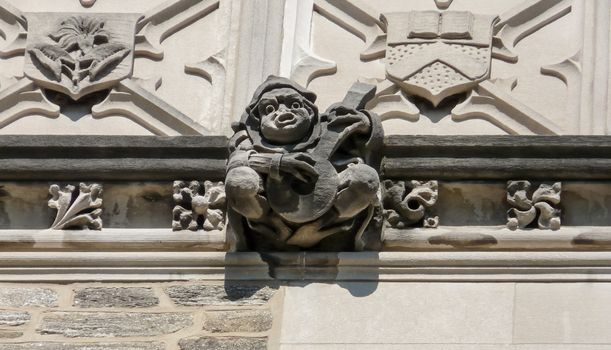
(270, 109)
(296, 105)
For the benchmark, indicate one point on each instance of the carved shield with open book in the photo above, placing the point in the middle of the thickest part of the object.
(435, 54)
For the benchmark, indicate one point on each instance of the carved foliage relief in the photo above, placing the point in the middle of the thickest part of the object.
(78, 54)
(533, 207)
(199, 205)
(410, 203)
(445, 67)
(77, 208)
(115, 72)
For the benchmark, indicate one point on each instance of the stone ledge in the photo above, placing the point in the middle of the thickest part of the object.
(54, 158)
(498, 238)
(111, 240)
(284, 267)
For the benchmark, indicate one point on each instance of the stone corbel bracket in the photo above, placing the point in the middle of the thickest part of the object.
(540, 207)
(199, 206)
(409, 203)
(76, 208)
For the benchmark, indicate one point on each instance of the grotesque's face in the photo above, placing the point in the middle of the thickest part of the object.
(285, 116)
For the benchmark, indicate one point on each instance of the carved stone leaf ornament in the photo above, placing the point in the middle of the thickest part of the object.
(199, 205)
(408, 203)
(540, 206)
(76, 208)
(78, 54)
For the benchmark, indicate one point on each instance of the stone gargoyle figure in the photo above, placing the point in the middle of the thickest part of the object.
(297, 179)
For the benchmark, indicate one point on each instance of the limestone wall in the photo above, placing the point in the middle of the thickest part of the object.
(152, 316)
(482, 221)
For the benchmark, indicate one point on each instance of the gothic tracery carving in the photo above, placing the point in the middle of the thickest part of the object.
(409, 44)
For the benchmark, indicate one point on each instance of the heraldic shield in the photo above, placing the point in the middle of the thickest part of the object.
(438, 54)
(78, 54)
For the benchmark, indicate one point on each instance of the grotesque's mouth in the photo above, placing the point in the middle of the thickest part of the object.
(285, 119)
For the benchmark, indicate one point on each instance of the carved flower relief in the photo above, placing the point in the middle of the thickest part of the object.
(81, 49)
(199, 206)
(76, 208)
(408, 203)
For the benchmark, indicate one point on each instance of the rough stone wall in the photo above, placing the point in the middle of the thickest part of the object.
(153, 316)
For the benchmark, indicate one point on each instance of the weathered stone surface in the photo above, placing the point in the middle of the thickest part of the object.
(107, 324)
(115, 297)
(89, 346)
(225, 343)
(237, 294)
(238, 321)
(285, 178)
(6, 334)
(19, 297)
(13, 318)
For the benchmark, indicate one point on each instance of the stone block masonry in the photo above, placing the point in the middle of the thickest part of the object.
(155, 316)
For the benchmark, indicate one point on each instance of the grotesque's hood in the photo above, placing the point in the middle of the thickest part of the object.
(251, 120)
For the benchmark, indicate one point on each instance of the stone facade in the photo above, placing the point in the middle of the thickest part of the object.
(134, 317)
(305, 174)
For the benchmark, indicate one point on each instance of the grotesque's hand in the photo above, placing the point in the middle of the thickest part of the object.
(300, 165)
(348, 119)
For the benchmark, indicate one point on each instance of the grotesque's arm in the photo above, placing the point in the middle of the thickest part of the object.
(243, 154)
(271, 164)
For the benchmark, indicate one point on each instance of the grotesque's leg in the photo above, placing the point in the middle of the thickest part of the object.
(243, 186)
(358, 188)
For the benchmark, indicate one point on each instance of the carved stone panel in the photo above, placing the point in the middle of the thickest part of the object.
(538, 207)
(77, 208)
(300, 179)
(409, 203)
(77, 54)
(467, 67)
(112, 67)
(199, 206)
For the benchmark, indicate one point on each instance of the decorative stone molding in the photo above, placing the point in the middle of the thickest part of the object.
(408, 203)
(542, 206)
(76, 208)
(199, 205)
(298, 179)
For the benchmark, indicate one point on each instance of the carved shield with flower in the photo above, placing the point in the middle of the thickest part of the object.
(77, 54)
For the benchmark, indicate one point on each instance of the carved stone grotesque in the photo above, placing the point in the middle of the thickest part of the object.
(407, 203)
(300, 179)
(76, 208)
(199, 206)
(540, 207)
